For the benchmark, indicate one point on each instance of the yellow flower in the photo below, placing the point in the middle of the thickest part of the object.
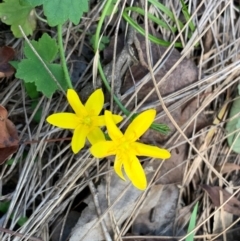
(86, 121)
(126, 148)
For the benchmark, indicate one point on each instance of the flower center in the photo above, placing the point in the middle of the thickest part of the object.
(87, 120)
(124, 145)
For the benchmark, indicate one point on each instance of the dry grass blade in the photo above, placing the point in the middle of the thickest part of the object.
(46, 179)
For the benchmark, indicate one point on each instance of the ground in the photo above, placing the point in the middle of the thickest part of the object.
(50, 193)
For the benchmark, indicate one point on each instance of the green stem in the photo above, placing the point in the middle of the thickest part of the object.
(100, 69)
(100, 23)
(159, 127)
(62, 57)
(118, 102)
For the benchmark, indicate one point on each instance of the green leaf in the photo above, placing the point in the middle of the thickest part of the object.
(187, 16)
(234, 126)
(4, 206)
(14, 63)
(31, 69)
(37, 117)
(32, 3)
(31, 90)
(14, 14)
(192, 223)
(139, 29)
(59, 11)
(10, 161)
(22, 220)
(104, 41)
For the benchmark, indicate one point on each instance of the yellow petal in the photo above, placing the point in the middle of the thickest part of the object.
(117, 118)
(141, 149)
(95, 102)
(140, 125)
(113, 130)
(76, 103)
(103, 149)
(135, 172)
(95, 136)
(79, 138)
(100, 120)
(118, 166)
(64, 120)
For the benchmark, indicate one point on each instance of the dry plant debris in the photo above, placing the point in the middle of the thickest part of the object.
(9, 140)
(6, 54)
(188, 87)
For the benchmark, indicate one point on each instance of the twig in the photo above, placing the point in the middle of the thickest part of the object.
(5, 230)
(98, 209)
(47, 140)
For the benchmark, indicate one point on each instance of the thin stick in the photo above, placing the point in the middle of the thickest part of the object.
(98, 209)
(47, 140)
(4, 230)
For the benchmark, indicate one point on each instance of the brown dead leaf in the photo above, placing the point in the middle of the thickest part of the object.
(233, 205)
(157, 216)
(6, 54)
(227, 167)
(9, 140)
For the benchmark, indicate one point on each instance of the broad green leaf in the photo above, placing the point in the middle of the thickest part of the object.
(32, 3)
(31, 90)
(192, 223)
(59, 11)
(14, 14)
(31, 69)
(234, 126)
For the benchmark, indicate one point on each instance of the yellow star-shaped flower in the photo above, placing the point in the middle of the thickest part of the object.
(127, 148)
(86, 121)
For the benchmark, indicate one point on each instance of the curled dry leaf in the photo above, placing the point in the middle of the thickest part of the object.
(232, 206)
(6, 54)
(9, 140)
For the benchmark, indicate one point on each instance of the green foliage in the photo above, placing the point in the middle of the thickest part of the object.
(187, 16)
(31, 69)
(12, 160)
(104, 41)
(234, 125)
(32, 3)
(111, 8)
(14, 14)
(159, 22)
(59, 11)
(37, 117)
(22, 220)
(139, 29)
(4, 206)
(192, 223)
(31, 90)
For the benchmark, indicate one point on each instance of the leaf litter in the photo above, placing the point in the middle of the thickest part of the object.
(6, 54)
(51, 179)
(9, 140)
